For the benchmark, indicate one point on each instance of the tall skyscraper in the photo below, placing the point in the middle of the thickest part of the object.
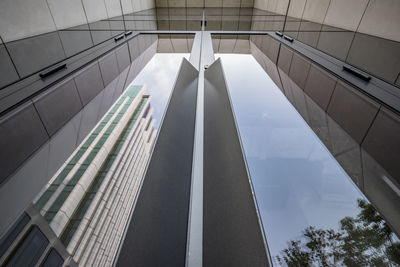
(88, 201)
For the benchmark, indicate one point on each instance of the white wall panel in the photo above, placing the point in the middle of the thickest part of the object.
(315, 10)
(113, 8)
(95, 10)
(127, 6)
(382, 18)
(22, 18)
(296, 8)
(67, 14)
(345, 14)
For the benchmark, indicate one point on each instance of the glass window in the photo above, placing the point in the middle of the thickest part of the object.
(309, 206)
(54, 259)
(30, 250)
(9, 238)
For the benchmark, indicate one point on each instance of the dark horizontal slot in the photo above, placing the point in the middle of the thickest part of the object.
(119, 38)
(128, 33)
(279, 34)
(52, 71)
(357, 73)
(290, 39)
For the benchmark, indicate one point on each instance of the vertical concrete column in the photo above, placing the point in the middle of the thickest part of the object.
(232, 230)
(202, 55)
(157, 232)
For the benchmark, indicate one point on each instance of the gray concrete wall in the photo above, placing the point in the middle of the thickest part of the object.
(40, 135)
(374, 17)
(204, 3)
(21, 19)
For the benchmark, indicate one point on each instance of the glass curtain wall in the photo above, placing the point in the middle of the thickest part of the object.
(313, 213)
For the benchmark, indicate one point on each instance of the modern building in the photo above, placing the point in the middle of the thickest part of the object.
(85, 207)
(246, 168)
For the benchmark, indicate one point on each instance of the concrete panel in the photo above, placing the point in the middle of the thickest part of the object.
(122, 82)
(345, 14)
(292, 28)
(319, 86)
(285, 59)
(142, 42)
(242, 46)
(213, 3)
(161, 3)
(194, 3)
(296, 8)
(176, 3)
(382, 141)
(89, 117)
(309, 33)
(136, 5)
(123, 58)
(127, 6)
(226, 45)
(282, 7)
(116, 26)
(67, 14)
(157, 231)
(299, 70)
(382, 190)
(58, 105)
(315, 10)
(109, 68)
(229, 25)
(89, 83)
(180, 45)
(382, 19)
(165, 45)
(21, 19)
(375, 55)
(7, 70)
(353, 111)
(340, 140)
(107, 100)
(113, 8)
(22, 187)
(231, 229)
(298, 99)
(317, 120)
(62, 144)
(100, 31)
(270, 47)
(74, 41)
(271, 5)
(21, 134)
(32, 54)
(147, 4)
(134, 48)
(244, 25)
(95, 10)
(260, 4)
(351, 162)
(231, 3)
(336, 44)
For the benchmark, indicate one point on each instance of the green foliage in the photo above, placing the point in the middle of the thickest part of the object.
(366, 240)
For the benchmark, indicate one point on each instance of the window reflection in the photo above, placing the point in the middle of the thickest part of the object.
(302, 192)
